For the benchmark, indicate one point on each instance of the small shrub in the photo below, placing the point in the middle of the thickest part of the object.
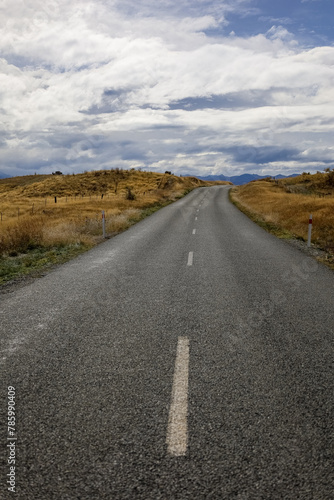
(129, 194)
(330, 178)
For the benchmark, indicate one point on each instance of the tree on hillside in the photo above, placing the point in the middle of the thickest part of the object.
(117, 176)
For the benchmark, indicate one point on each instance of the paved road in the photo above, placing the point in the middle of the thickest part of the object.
(219, 338)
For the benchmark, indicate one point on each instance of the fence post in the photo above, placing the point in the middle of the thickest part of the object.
(103, 224)
(309, 231)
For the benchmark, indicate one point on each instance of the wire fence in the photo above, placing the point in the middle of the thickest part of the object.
(42, 206)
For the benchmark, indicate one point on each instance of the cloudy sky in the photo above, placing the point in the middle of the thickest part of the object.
(193, 86)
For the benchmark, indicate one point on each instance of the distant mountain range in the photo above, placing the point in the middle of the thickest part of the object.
(238, 180)
(4, 176)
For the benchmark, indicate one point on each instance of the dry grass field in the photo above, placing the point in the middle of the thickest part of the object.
(284, 206)
(47, 219)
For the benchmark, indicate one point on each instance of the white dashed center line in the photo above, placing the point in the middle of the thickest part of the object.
(195, 218)
(190, 259)
(177, 431)
(194, 231)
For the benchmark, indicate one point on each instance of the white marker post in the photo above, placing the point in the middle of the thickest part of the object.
(309, 231)
(103, 224)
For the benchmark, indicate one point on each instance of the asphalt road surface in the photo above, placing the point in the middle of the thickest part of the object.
(190, 357)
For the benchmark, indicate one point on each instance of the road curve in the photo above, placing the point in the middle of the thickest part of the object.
(189, 357)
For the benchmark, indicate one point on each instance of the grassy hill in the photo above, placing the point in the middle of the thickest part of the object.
(47, 219)
(97, 182)
(284, 206)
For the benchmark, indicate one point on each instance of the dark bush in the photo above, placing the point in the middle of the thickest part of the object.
(129, 194)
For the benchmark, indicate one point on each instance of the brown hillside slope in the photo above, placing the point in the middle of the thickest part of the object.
(284, 206)
(49, 218)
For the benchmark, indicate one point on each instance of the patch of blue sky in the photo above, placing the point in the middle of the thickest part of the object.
(309, 21)
(239, 100)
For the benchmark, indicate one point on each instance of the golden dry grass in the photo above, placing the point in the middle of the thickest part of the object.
(66, 209)
(288, 203)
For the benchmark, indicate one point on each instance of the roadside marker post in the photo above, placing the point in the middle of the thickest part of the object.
(104, 223)
(309, 231)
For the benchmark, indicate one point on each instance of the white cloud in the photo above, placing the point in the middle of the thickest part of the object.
(127, 74)
(280, 33)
